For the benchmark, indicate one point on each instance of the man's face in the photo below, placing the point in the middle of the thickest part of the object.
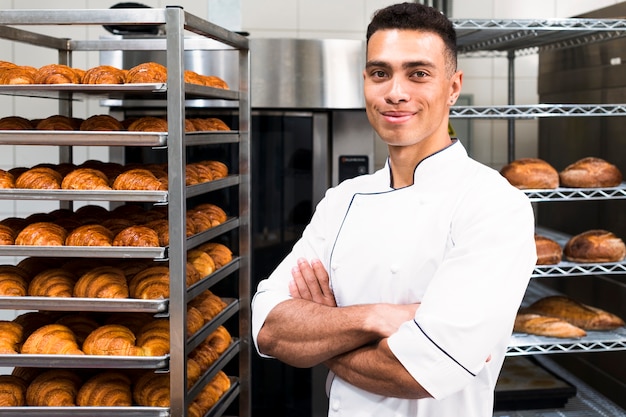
(408, 87)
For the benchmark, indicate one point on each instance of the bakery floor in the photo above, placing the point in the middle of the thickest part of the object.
(586, 403)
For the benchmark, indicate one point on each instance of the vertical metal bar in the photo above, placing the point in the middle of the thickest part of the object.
(321, 155)
(511, 122)
(174, 21)
(245, 396)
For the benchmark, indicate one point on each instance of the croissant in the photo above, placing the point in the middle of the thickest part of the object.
(195, 320)
(15, 123)
(194, 372)
(218, 169)
(150, 284)
(54, 282)
(89, 235)
(152, 390)
(192, 275)
(148, 124)
(219, 340)
(162, 229)
(137, 179)
(202, 261)
(57, 74)
(215, 81)
(85, 179)
(217, 215)
(40, 178)
(53, 388)
(104, 74)
(154, 338)
(192, 77)
(212, 392)
(12, 391)
(209, 124)
(102, 282)
(106, 389)
(42, 234)
(17, 76)
(13, 281)
(137, 236)
(192, 176)
(11, 339)
(52, 339)
(58, 122)
(7, 64)
(112, 340)
(80, 324)
(209, 304)
(31, 321)
(101, 122)
(204, 356)
(7, 235)
(220, 253)
(149, 72)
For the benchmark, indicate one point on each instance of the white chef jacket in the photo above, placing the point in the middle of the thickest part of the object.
(460, 241)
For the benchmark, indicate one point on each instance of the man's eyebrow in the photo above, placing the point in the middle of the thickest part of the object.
(405, 65)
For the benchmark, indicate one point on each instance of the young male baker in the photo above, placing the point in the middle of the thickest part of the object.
(407, 281)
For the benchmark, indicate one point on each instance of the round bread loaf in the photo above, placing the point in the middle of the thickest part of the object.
(531, 173)
(595, 245)
(590, 172)
(549, 252)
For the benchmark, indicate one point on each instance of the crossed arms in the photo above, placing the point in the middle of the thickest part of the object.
(351, 341)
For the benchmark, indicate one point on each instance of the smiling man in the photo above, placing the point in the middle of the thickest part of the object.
(407, 281)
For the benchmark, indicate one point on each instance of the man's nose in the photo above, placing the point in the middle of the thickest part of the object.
(396, 92)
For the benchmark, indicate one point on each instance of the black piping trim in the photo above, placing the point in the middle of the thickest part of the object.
(443, 351)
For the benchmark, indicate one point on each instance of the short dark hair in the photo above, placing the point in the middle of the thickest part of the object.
(415, 16)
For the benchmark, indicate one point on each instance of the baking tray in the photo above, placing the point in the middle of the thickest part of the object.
(84, 195)
(84, 361)
(76, 137)
(126, 252)
(84, 411)
(84, 304)
(525, 385)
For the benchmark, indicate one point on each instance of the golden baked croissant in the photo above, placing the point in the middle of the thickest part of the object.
(194, 372)
(152, 390)
(154, 338)
(219, 252)
(52, 339)
(7, 235)
(102, 282)
(58, 122)
(202, 261)
(204, 356)
(215, 81)
(212, 392)
(106, 389)
(85, 179)
(162, 229)
(101, 122)
(57, 74)
(11, 339)
(40, 178)
(55, 282)
(42, 234)
(148, 72)
(7, 64)
(192, 275)
(15, 123)
(13, 281)
(148, 124)
(218, 169)
(151, 284)
(80, 324)
(17, 76)
(219, 340)
(53, 388)
(104, 74)
(192, 176)
(90, 235)
(209, 124)
(112, 340)
(137, 179)
(209, 304)
(216, 213)
(12, 391)
(192, 77)
(137, 236)
(195, 320)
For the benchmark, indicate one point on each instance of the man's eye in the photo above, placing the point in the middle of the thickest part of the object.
(378, 74)
(420, 74)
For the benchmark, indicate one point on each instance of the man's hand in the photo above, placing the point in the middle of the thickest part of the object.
(310, 282)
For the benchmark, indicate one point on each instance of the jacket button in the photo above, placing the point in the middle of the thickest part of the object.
(394, 268)
(335, 405)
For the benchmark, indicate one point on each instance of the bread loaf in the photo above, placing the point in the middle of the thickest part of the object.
(595, 245)
(531, 173)
(590, 173)
(549, 252)
(546, 326)
(575, 313)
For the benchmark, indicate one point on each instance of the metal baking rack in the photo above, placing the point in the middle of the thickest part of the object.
(84, 304)
(580, 194)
